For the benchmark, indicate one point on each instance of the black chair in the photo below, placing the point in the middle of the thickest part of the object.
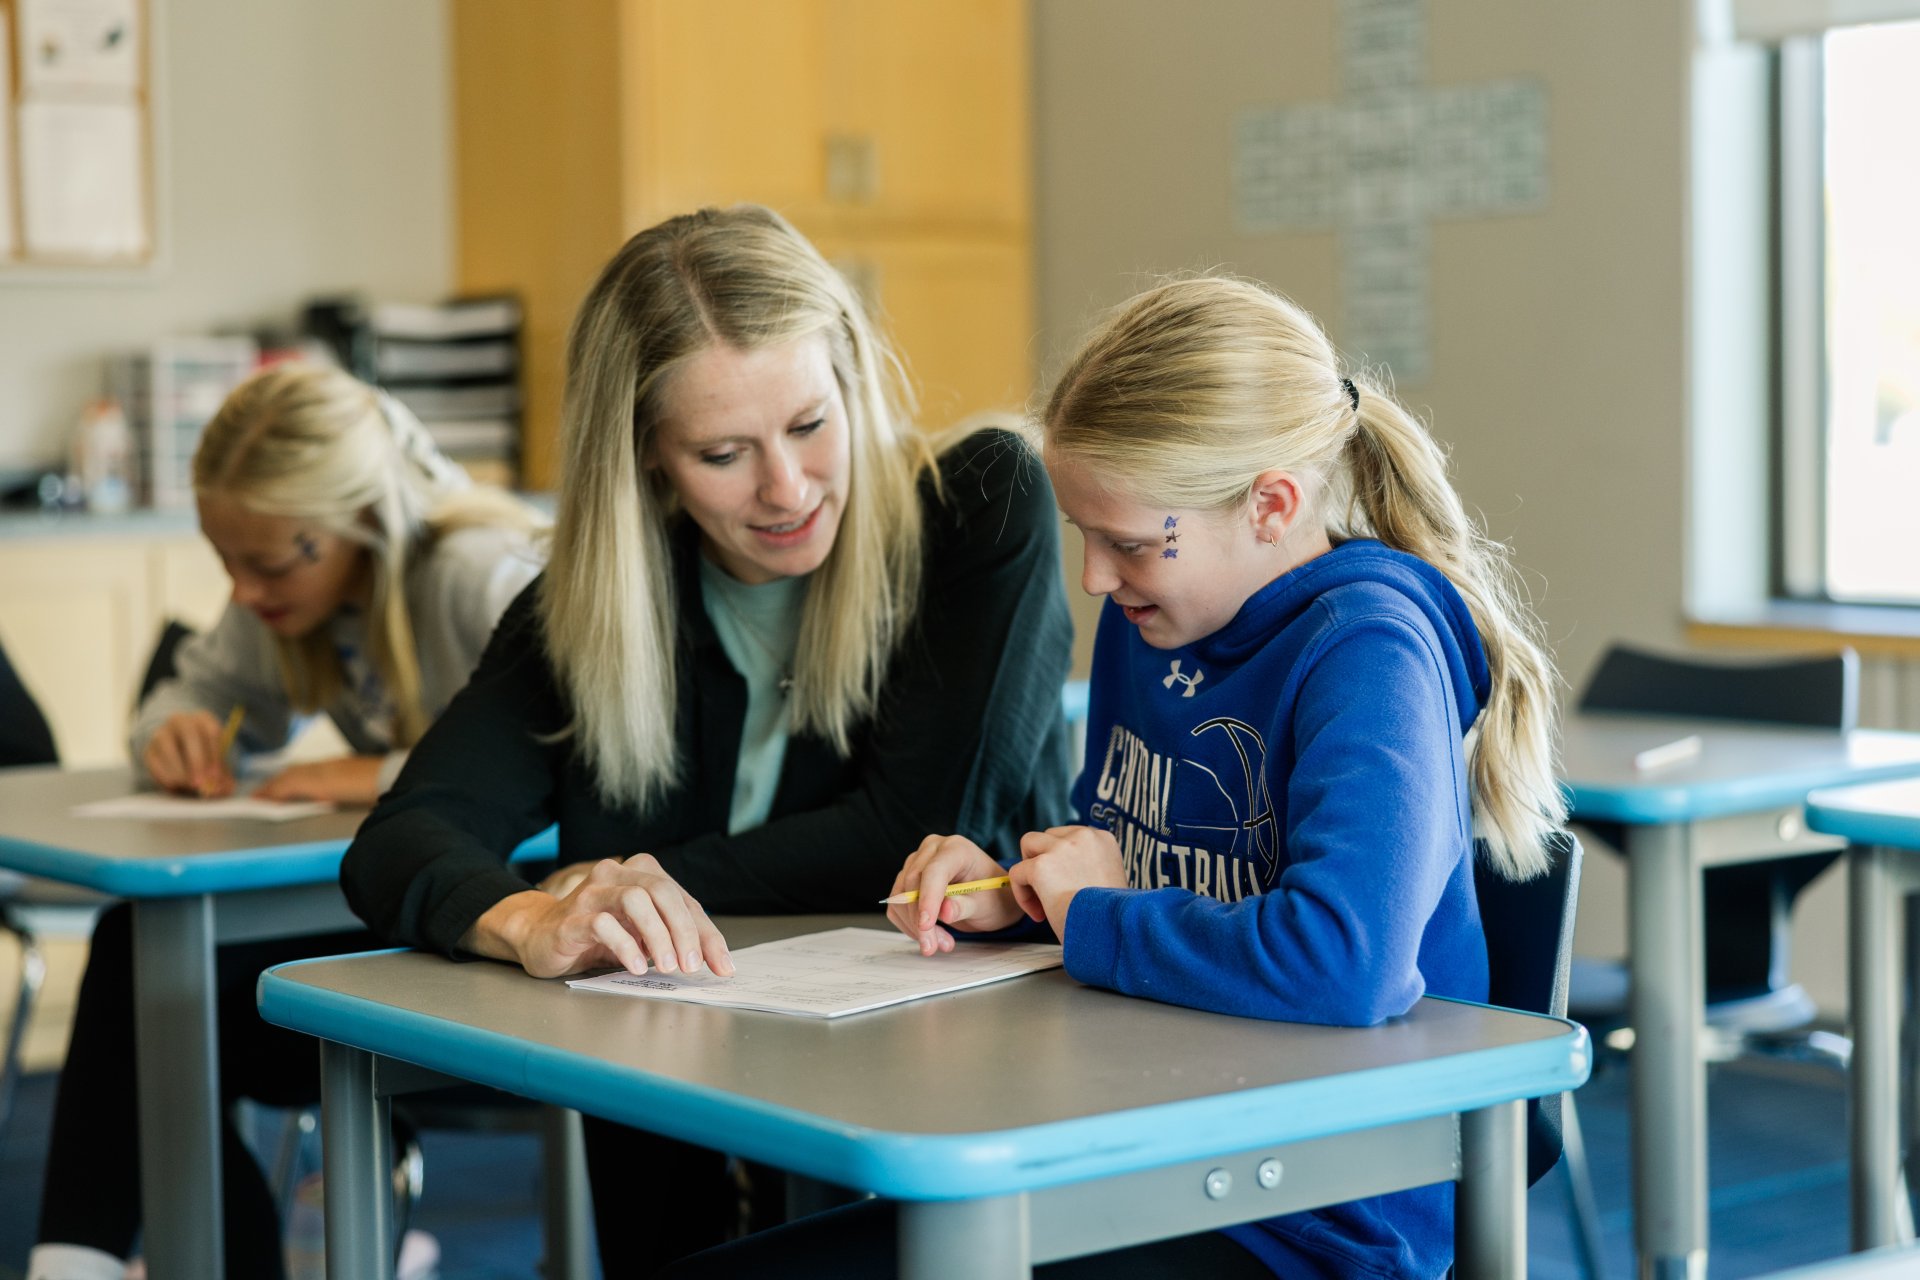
(1748, 907)
(25, 739)
(162, 664)
(1529, 929)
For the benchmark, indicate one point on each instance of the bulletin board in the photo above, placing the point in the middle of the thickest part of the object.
(76, 136)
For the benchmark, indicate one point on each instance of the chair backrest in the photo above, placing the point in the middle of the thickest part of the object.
(1529, 928)
(25, 737)
(1819, 692)
(162, 664)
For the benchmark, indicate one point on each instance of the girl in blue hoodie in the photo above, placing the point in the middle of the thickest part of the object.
(1315, 684)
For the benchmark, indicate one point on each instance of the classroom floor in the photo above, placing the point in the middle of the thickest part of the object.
(1779, 1174)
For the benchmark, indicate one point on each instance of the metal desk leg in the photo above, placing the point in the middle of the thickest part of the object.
(178, 1063)
(1490, 1204)
(357, 1158)
(979, 1239)
(1669, 1080)
(1874, 955)
(569, 1236)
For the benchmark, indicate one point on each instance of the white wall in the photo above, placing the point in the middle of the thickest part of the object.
(310, 153)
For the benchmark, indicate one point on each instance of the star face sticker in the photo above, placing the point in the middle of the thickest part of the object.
(1171, 553)
(309, 549)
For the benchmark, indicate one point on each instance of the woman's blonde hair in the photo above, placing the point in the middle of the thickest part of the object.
(1194, 388)
(745, 278)
(314, 443)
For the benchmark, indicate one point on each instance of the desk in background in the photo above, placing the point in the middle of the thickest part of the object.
(1739, 800)
(1882, 822)
(1023, 1122)
(193, 886)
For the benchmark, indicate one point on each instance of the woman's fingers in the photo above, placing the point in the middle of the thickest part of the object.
(612, 935)
(712, 942)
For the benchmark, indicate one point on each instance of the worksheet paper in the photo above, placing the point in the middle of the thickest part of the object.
(156, 807)
(841, 971)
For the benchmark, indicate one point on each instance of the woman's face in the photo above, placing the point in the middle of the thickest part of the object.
(756, 445)
(291, 572)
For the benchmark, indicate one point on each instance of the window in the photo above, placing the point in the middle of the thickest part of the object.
(1848, 475)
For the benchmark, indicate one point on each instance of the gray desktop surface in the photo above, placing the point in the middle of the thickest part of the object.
(1741, 767)
(1020, 1072)
(40, 835)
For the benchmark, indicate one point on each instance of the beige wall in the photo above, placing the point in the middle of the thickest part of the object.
(1559, 341)
(309, 153)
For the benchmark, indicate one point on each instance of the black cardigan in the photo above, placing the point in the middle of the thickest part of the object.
(968, 738)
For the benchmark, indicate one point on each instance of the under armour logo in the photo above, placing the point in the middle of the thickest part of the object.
(1174, 677)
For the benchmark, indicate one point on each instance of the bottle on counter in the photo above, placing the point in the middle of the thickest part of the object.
(103, 457)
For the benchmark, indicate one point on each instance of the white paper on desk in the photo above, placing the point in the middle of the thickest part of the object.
(840, 971)
(154, 807)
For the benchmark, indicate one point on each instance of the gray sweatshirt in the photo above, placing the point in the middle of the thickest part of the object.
(456, 592)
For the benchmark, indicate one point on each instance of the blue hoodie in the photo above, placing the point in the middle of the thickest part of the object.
(1290, 799)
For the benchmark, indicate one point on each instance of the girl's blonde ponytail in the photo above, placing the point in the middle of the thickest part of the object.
(1400, 494)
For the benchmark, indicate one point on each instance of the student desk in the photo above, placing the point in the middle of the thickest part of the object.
(1739, 800)
(1882, 822)
(193, 885)
(1022, 1122)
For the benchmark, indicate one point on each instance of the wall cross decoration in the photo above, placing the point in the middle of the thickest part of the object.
(1380, 165)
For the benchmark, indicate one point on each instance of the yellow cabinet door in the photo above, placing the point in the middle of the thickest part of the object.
(76, 617)
(960, 313)
(933, 100)
(723, 104)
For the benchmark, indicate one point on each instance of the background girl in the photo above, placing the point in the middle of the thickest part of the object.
(367, 576)
(781, 636)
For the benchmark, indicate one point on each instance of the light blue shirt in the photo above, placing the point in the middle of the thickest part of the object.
(759, 627)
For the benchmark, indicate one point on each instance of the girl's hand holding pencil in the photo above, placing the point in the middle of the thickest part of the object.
(188, 753)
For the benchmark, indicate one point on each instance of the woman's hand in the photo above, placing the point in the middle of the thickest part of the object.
(184, 755)
(1059, 862)
(348, 780)
(619, 914)
(562, 881)
(937, 863)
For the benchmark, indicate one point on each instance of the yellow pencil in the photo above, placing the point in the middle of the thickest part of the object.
(953, 890)
(231, 731)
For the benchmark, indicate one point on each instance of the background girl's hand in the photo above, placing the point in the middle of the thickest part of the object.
(1059, 862)
(937, 863)
(348, 780)
(627, 915)
(184, 755)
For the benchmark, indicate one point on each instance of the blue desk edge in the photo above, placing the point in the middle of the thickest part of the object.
(270, 866)
(930, 1166)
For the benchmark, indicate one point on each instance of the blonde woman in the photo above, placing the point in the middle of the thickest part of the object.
(781, 636)
(1314, 683)
(367, 576)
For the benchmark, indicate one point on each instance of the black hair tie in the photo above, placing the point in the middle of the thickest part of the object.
(1353, 392)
